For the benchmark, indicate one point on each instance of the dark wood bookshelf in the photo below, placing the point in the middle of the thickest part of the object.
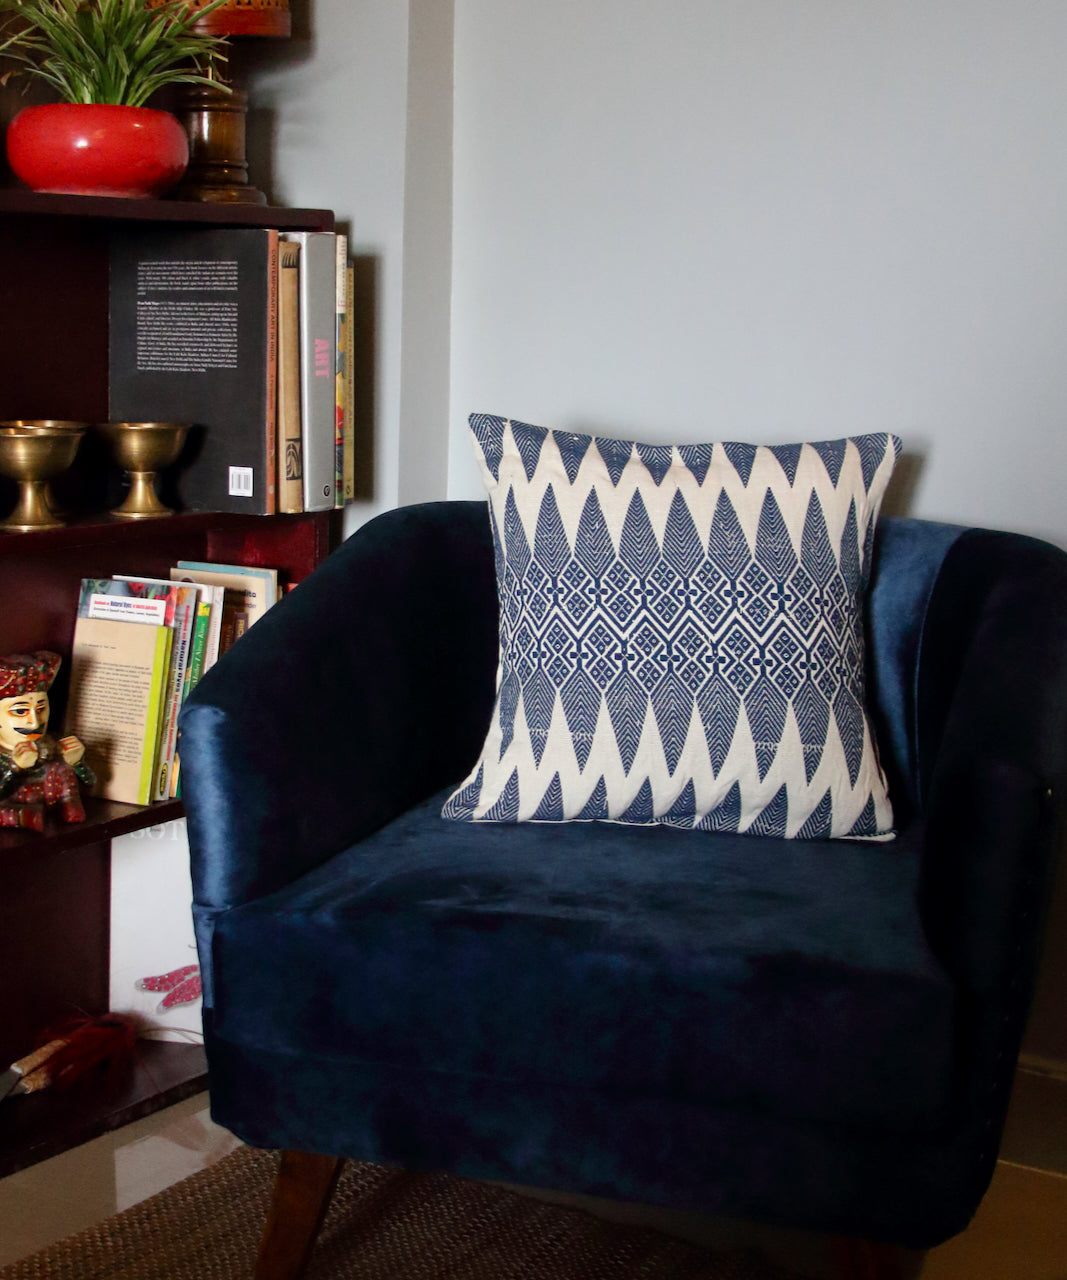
(37, 1126)
(55, 887)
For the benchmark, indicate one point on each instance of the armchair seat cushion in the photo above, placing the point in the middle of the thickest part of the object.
(778, 975)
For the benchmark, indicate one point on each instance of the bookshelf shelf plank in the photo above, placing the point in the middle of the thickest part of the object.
(103, 531)
(42, 204)
(104, 820)
(39, 1126)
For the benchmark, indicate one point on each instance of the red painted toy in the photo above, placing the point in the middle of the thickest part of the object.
(36, 769)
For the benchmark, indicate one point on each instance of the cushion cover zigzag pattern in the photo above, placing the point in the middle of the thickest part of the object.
(681, 633)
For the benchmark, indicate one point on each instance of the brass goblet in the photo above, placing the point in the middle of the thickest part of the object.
(143, 449)
(32, 451)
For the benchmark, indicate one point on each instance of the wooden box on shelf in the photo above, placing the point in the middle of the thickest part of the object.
(54, 901)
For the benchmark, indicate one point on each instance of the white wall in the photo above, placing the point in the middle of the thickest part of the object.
(770, 220)
(427, 285)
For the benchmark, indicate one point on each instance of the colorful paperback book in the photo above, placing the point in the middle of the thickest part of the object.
(350, 386)
(215, 594)
(127, 599)
(290, 442)
(117, 688)
(225, 616)
(340, 365)
(195, 669)
(208, 627)
(111, 598)
(249, 593)
(184, 620)
(210, 571)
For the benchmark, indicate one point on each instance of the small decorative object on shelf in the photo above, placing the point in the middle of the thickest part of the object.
(36, 769)
(243, 17)
(215, 119)
(94, 149)
(143, 449)
(106, 58)
(70, 1050)
(32, 451)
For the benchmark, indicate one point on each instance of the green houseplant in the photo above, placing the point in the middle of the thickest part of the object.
(105, 59)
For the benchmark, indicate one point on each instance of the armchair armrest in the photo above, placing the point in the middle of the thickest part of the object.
(992, 750)
(366, 689)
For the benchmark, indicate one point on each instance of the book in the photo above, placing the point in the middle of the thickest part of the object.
(193, 338)
(318, 356)
(350, 386)
(211, 571)
(290, 445)
(215, 594)
(195, 667)
(185, 598)
(110, 598)
(196, 654)
(195, 635)
(249, 593)
(117, 677)
(231, 616)
(340, 365)
(135, 601)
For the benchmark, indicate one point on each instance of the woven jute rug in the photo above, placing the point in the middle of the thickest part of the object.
(383, 1225)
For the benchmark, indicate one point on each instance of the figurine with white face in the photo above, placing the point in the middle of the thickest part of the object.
(36, 769)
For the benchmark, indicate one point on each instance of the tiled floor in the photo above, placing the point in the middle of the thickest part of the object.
(1019, 1233)
(1020, 1229)
(67, 1194)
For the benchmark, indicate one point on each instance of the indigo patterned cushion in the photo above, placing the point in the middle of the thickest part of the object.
(681, 633)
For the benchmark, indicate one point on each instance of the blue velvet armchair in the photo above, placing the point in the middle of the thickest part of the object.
(819, 1034)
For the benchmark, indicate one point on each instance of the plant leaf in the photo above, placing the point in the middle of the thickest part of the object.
(116, 51)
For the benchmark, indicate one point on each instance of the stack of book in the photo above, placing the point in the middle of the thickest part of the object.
(140, 646)
(247, 335)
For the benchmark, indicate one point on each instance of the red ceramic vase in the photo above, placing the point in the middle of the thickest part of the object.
(91, 149)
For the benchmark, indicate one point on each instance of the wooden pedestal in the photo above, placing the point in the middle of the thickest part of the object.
(218, 168)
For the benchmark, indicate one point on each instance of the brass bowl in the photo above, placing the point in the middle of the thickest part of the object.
(32, 451)
(143, 449)
(47, 425)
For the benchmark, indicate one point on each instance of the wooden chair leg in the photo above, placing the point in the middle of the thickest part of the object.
(301, 1198)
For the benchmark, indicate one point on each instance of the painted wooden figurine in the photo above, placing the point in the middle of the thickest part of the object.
(36, 769)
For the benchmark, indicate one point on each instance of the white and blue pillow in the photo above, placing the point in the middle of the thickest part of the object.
(681, 634)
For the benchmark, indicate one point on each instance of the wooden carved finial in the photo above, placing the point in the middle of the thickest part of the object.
(244, 18)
